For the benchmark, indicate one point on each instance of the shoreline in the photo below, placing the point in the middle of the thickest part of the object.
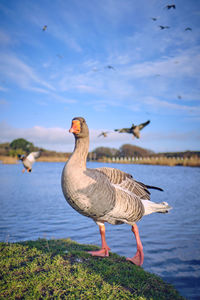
(162, 161)
(63, 269)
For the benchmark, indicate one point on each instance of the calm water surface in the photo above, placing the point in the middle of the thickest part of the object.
(32, 206)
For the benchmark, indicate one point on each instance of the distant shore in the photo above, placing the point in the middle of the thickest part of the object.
(162, 161)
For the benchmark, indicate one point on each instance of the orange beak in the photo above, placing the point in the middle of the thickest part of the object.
(76, 127)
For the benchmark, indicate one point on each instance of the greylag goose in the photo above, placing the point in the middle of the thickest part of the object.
(134, 129)
(29, 160)
(105, 194)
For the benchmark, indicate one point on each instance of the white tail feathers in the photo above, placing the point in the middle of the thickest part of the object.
(152, 207)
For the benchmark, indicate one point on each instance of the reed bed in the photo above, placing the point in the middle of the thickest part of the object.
(193, 161)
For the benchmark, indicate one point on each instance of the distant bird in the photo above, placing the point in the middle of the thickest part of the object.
(188, 29)
(134, 129)
(110, 67)
(44, 28)
(154, 19)
(163, 27)
(105, 194)
(103, 133)
(179, 97)
(29, 160)
(171, 6)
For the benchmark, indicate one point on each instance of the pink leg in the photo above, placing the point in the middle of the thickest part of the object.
(104, 247)
(23, 170)
(139, 256)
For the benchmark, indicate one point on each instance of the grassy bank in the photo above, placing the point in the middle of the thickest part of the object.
(62, 269)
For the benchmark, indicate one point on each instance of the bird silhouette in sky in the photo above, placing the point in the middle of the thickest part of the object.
(188, 29)
(154, 19)
(110, 67)
(103, 133)
(29, 160)
(170, 6)
(134, 129)
(163, 27)
(44, 27)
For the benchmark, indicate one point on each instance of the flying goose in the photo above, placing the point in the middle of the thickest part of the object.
(134, 129)
(105, 194)
(29, 160)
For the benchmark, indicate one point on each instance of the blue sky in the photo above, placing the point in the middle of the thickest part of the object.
(47, 77)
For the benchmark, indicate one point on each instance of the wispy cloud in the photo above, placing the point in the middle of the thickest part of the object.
(20, 73)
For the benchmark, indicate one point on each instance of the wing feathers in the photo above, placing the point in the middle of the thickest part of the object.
(126, 182)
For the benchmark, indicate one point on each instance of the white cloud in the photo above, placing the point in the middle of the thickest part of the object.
(20, 73)
(60, 139)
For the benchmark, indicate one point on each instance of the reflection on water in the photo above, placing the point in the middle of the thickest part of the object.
(32, 206)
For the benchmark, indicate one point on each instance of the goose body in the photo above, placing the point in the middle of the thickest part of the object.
(29, 160)
(105, 194)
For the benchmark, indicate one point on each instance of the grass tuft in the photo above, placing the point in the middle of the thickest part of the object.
(62, 269)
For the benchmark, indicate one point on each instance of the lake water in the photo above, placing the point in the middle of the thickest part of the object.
(32, 206)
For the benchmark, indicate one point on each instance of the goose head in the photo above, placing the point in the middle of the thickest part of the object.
(79, 127)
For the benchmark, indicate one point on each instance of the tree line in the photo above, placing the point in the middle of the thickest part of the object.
(22, 146)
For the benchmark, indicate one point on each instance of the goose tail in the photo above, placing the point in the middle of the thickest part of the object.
(152, 207)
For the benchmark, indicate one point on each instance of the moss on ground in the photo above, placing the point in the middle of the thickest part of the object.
(62, 269)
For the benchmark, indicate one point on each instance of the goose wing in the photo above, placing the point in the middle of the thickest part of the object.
(127, 130)
(126, 182)
(142, 125)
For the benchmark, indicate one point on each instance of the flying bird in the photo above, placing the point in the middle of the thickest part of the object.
(170, 6)
(188, 29)
(110, 67)
(163, 27)
(134, 129)
(105, 194)
(44, 27)
(29, 160)
(154, 19)
(103, 133)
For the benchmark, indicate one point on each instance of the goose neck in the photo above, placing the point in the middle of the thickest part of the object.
(81, 151)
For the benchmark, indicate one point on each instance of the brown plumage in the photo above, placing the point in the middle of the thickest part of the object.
(105, 194)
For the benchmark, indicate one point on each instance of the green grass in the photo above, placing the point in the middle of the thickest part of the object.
(62, 269)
